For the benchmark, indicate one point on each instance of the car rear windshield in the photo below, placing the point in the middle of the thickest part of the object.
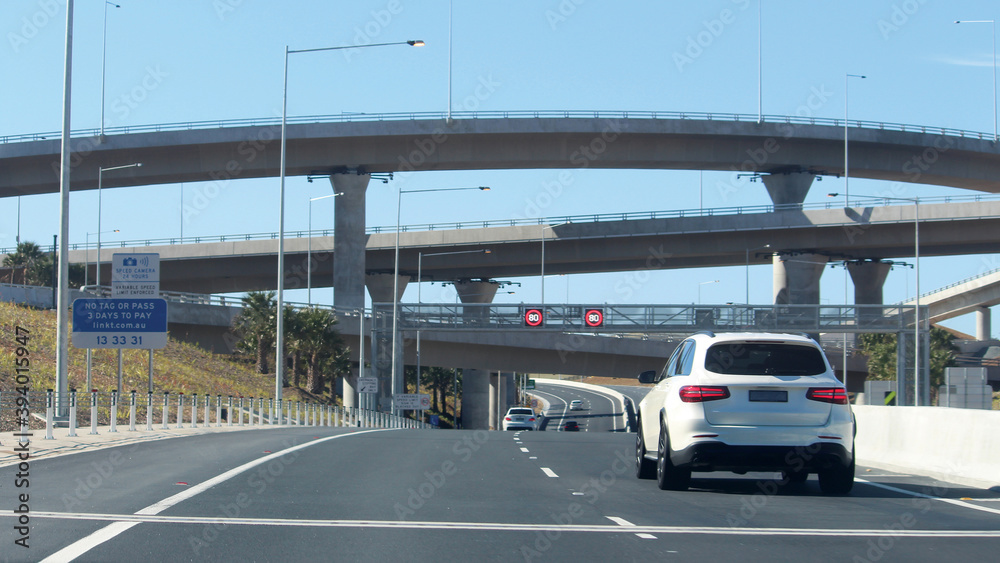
(764, 358)
(520, 411)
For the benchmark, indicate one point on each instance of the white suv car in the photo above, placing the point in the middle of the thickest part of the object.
(746, 402)
(519, 418)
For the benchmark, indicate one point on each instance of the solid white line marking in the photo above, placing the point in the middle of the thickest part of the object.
(79, 547)
(921, 495)
(132, 519)
(549, 472)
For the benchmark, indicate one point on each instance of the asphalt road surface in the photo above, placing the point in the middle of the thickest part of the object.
(600, 412)
(311, 494)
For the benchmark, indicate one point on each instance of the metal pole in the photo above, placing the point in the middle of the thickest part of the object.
(100, 180)
(309, 257)
(450, 3)
(760, 43)
(916, 312)
(62, 308)
(747, 278)
(847, 190)
(279, 361)
(543, 269)
(104, 58)
(395, 304)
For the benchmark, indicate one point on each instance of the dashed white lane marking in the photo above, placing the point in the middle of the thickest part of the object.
(81, 546)
(132, 519)
(525, 450)
(929, 497)
(533, 457)
(619, 521)
(626, 523)
(549, 472)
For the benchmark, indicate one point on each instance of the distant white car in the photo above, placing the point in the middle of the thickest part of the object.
(519, 418)
(746, 402)
(576, 405)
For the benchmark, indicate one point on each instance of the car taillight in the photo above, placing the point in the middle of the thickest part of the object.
(702, 393)
(507, 418)
(531, 419)
(834, 395)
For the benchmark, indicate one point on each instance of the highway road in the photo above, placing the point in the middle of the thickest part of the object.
(600, 412)
(311, 494)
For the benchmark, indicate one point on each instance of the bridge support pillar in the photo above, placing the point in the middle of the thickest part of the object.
(349, 239)
(380, 287)
(983, 328)
(868, 278)
(497, 400)
(788, 189)
(476, 383)
(796, 278)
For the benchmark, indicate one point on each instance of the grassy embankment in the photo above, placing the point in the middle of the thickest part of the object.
(178, 368)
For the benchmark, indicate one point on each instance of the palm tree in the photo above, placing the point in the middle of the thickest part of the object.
(33, 261)
(293, 341)
(318, 340)
(256, 325)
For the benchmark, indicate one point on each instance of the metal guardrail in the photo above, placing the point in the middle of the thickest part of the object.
(517, 114)
(496, 223)
(89, 409)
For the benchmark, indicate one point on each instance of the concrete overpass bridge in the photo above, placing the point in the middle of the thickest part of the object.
(586, 244)
(787, 152)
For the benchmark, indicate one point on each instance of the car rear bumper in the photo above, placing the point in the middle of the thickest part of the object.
(718, 456)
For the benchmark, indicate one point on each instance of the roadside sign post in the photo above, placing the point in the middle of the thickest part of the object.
(367, 385)
(135, 317)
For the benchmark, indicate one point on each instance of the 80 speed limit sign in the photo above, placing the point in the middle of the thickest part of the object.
(593, 317)
(533, 317)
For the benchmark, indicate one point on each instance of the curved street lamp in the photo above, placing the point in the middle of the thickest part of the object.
(279, 375)
(916, 309)
(395, 278)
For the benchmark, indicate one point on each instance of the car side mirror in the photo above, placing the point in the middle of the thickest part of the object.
(647, 377)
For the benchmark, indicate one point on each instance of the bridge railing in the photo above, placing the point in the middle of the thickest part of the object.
(518, 222)
(651, 319)
(500, 114)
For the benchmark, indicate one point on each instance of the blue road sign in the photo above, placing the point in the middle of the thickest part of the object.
(120, 323)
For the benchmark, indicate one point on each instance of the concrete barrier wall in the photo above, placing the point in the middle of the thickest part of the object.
(955, 445)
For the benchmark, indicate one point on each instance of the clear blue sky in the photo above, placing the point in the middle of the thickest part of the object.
(189, 60)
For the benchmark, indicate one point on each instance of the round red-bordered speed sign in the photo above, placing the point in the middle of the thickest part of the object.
(533, 317)
(593, 317)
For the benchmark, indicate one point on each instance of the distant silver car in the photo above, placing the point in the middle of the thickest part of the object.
(519, 418)
(576, 405)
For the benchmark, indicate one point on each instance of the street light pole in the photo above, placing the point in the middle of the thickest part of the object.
(100, 181)
(104, 58)
(699, 288)
(86, 270)
(994, 28)
(395, 280)
(847, 191)
(280, 337)
(420, 260)
(748, 269)
(916, 309)
(543, 256)
(309, 261)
